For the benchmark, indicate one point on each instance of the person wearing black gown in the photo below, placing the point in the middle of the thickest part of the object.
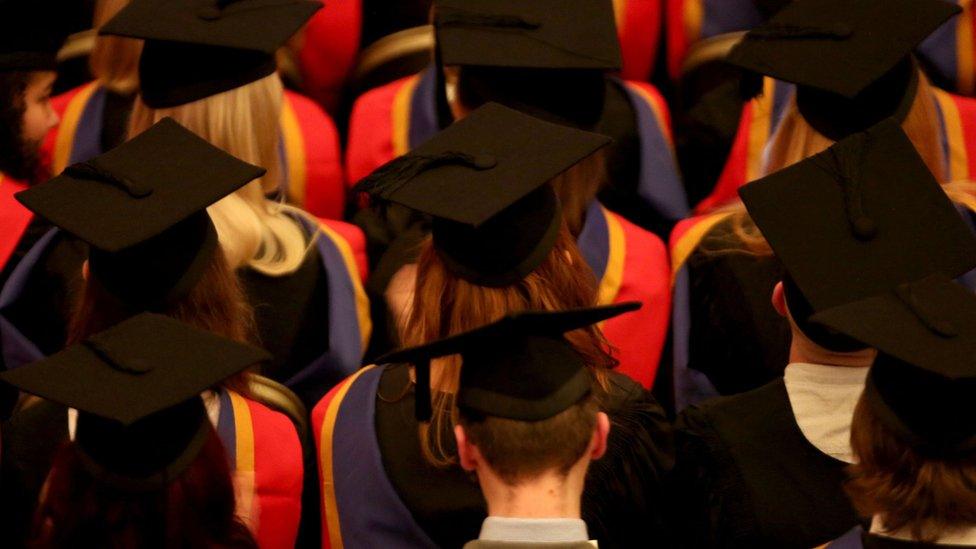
(913, 433)
(765, 468)
(499, 245)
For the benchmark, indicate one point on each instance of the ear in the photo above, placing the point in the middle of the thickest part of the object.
(468, 453)
(84, 270)
(598, 446)
(779, 300)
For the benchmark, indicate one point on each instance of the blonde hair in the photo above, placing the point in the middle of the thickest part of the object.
(244, 121)
(114, 61)
(795, 140)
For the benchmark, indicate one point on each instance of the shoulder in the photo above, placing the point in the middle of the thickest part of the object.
(380, 97)
(751, 405)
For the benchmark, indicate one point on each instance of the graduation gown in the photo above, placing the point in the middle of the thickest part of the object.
(318, 338)
(92, 118)
(745, 476)
(377, 490)
(857, 538)
(16, 234)
(262, 445)
(388, 121)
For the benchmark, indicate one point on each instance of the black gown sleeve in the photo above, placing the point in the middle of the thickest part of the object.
(710, 502)
(624, 499)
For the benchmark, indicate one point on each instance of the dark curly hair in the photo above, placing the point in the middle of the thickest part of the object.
(18, 158)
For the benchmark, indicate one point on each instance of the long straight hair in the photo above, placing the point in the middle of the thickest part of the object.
(196, 510)
(245, 122)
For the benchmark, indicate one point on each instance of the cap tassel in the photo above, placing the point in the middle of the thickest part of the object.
(90, 170)
(939, 326)
(389, 178)
(801, 32)
(459, 17)
(846, 168)
(135, 367)
(422, 405)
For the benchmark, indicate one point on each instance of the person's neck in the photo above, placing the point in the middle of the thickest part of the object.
(802, 350)
(548, 496)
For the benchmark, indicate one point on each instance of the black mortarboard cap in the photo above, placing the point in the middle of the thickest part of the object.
(484, 182)
(541, 34)
(851, 59)
(923, 382)
(859, 219)
(137, 386)
(198, 48)
(520, 367)
(31, 33)
(142, 208)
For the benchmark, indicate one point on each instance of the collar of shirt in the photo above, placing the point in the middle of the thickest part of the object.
(533, 530)
(823, 400)
(962, 536)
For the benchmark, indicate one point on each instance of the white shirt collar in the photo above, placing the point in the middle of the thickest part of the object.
(963, 536)
(562, 530)
(823, 400)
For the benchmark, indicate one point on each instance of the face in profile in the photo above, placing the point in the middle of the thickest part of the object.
(39, 116)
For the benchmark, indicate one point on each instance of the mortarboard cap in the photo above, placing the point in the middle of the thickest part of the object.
(484, 182)
(923, 382)
(542, 34)
(198, 48)
(31, 33)
(137, 386)
(851, 59)
(520, 367)
(142, 208)
(859, 219)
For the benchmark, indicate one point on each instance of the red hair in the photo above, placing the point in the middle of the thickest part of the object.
(197, 510)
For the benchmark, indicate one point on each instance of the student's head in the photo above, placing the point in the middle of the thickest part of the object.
(30, 37)
(145, 466)
(152, 244)
(215, 75)
(114, 61)
(515, 452)
(841, 235)
(911, 491)
(26, 117)
(526, 397)
(195, 510)
(913, 435)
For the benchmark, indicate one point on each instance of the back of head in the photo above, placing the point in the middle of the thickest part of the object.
(195, 510)
(519, 451)
(911, 491)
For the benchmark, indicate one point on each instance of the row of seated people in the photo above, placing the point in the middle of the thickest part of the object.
(169, 91)
(382, 437)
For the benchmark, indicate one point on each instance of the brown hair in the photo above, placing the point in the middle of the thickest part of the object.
(520, 450)
(578, 186)
(195, 510)
(114, 61)
(445, 304)
(216, 303)
(795, 140)
(923, 494)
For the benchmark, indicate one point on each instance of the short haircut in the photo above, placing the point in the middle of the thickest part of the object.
(927, 495)
(520, 450)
